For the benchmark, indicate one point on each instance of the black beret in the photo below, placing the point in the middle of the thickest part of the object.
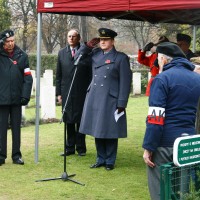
(6, 34)
(106, 33)
(183, 37)
(170, 49)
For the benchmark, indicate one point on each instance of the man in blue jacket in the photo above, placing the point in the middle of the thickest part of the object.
(172, 110)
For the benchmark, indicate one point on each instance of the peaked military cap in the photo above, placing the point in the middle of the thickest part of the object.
(183, 37)
(170, 49)
(6, 34)
(106, 33)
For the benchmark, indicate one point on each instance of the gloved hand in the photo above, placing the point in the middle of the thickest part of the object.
(93, 42)
(156, 63)
(120, 110)
(148, 46)
(24, 101)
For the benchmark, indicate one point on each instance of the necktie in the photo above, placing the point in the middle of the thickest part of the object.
(73, 52)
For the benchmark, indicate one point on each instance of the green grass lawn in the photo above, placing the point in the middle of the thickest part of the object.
(126, 182)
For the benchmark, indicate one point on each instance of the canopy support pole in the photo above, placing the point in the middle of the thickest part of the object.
(194, 39)
(38, 69)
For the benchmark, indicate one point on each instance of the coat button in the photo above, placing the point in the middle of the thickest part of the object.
(101, 85)
(95, 84)
(95, 75)
(105, 77)
(108, 67)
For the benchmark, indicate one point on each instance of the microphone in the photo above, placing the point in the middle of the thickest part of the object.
(78, 59)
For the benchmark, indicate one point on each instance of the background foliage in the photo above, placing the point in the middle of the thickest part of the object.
(21, 16)
(5, 19)
(48, 61)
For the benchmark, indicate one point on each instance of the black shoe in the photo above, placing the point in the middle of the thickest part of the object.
(2, 161)
(96, 165)
(109, 167)
(68, 153)
(18, 161)
(81, 154)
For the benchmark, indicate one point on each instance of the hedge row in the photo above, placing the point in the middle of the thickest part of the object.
(48, 61)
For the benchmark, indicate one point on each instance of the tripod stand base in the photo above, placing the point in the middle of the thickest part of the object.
(64, 177)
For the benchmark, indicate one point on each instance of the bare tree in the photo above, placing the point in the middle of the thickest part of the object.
(5, 14)
(22, 18)
(172, 29)
(55, 28)
(83, 28)
(138, 31)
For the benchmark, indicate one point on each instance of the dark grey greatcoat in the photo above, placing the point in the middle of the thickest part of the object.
(64, 76)
(109, 89)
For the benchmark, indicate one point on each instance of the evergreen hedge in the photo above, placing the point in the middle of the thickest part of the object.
(48, 61)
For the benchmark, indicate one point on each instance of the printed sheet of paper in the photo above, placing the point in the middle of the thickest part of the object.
(117, 116)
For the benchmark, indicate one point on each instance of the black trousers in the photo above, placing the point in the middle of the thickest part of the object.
(106, 150)
(15, 113)
(75, 140)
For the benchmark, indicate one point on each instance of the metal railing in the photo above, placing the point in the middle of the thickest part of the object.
(180, 183)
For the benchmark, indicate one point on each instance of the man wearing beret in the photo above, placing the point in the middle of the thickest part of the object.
(106, 98)
(15, 90)
(172, 110)
(184, 42)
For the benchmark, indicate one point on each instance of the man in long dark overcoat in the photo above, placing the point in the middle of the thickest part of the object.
(64, 78)
(106, 99)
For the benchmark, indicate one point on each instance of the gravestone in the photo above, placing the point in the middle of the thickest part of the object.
(136, 83)
(47, 96)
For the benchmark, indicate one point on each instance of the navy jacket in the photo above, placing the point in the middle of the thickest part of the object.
(15, 77)
(172, 104)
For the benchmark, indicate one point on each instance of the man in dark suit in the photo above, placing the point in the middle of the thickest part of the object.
(64, 77)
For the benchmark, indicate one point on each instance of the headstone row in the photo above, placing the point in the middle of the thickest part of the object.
(47, 92)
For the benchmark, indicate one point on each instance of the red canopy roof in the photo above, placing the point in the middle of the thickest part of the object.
(157, 11)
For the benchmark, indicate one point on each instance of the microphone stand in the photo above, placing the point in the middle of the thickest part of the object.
(65, 176)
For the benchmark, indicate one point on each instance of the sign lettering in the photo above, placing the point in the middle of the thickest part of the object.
(186, 150)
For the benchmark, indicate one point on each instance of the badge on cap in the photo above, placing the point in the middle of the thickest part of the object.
(103, 32)
(7, 35)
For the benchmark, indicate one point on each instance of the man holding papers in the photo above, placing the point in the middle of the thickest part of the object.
(104, 115)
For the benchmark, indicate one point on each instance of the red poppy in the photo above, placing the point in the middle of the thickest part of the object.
(107, 61)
